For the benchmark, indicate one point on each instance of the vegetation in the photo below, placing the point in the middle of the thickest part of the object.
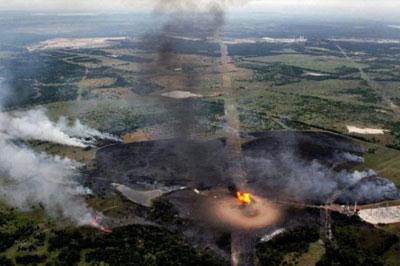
(365, 95)
(277, 73)
(354, 243)
(312, 85)
(294, 241)
(358, 245)
(163, 211)
(135, 245)
(14, 227)
(324, 64)
(253, 49)
(26, 243)
(395, 130)
(383, 160)
(40, 78)
(5, 262)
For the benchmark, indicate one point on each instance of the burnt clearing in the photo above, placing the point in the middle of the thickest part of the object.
(279, 165)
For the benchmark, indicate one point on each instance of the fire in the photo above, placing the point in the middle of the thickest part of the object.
(244, 198)
(95, 223)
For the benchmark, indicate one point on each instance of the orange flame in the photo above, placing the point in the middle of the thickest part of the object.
(244, 198)
(97, 225)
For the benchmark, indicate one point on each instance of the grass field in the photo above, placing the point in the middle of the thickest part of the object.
(383, 160)
(392, 257)
(313, 255)
(327, 64)
(325, 111)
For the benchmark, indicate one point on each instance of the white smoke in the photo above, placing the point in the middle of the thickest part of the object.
(348, 157)
(82, 131)
(35, 125)
(371, 189)
(270, 236)
(28, 178)
(313, 181)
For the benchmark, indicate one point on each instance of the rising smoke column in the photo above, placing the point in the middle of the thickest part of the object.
(202, 20)
(181, 18)
(28, 178)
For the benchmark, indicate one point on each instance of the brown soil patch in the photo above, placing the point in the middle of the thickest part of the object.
(136, 137)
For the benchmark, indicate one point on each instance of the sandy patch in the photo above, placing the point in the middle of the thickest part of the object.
(284, 40)
(112, 93)
(76, 14)
(97, 83)
(264, 39)
(381, 111)
(386, 215)
(185, 38)
(137, 136)
(366, 131)
(181, 94)
(240, 41)
(74, 43)
(366, 40)
(315, 74)
(143, 198)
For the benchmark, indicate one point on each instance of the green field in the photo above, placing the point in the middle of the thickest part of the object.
(326, 64)
(383, 160)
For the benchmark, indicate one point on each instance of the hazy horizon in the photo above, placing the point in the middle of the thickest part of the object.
(368, 9)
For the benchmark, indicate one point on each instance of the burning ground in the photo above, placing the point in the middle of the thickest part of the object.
(226, 193)
(287, 183)
(278, 164)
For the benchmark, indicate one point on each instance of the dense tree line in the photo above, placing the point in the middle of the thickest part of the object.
(130, 245)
